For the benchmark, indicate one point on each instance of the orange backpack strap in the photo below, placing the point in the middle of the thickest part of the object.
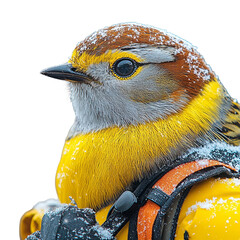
(168, 187)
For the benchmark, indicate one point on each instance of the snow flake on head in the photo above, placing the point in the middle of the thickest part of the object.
(125, 35)
(192, 61)
(121, 35)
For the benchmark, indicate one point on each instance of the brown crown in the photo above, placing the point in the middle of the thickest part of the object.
(190, 68)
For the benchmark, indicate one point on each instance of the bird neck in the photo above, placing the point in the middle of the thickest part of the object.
(96, 167)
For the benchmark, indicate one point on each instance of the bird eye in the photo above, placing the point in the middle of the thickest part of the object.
(124, 67)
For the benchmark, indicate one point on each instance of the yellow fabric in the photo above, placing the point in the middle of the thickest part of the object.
(211, 211)
(30, 223)
(101, 217)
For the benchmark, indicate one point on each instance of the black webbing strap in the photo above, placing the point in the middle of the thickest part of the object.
(157, 196)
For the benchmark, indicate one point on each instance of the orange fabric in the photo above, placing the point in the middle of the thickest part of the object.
(168, 183)
(146, 218)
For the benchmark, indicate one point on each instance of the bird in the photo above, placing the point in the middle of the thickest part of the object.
(141, 97)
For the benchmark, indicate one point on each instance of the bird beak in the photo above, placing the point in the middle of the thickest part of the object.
(66, 72)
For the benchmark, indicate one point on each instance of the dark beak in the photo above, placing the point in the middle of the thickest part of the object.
(66, 72)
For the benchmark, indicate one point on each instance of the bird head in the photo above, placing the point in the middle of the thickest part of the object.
(130, 74)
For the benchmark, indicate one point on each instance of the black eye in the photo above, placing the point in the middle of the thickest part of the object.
(124, 67)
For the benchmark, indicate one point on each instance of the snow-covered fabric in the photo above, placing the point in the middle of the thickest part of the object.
(220, 151)
(69, 222)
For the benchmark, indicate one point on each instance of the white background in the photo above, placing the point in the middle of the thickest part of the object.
(35, 110)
